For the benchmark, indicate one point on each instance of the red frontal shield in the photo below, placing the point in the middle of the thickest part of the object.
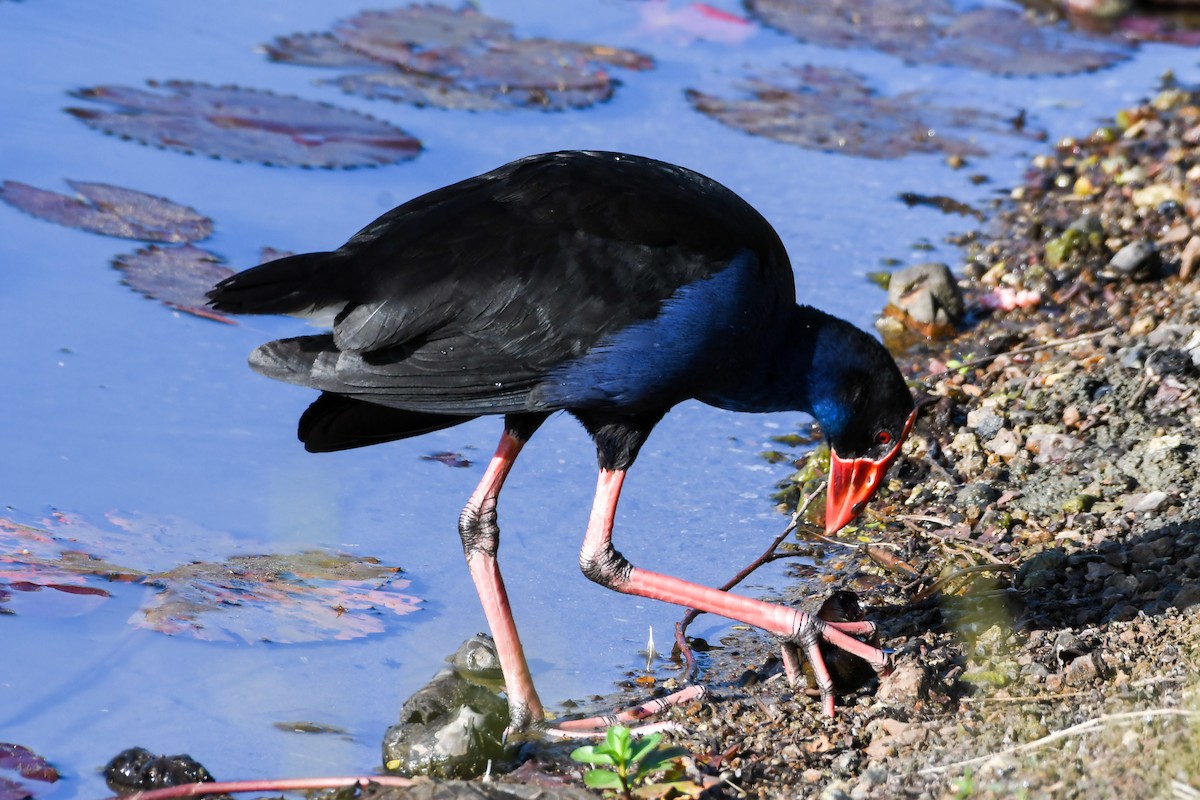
(853, 482)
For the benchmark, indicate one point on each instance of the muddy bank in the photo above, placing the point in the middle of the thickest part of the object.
(1035, 561)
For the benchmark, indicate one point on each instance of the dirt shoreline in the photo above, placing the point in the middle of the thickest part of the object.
(1052, 489)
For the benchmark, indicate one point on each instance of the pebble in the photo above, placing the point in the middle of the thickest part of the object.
(1150, 501)
(1137, 260)
(1006, 443)
(928, 293)
(902, 685)
(985, 422)
(1081, 670)
(1187, 597)
(976, 495)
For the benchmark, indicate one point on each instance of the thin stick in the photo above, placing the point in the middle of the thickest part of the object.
(768, 555)
(270, 786)
(937, 585)
(1033, 348)
(965, 547)
(1027, 698)
(1075, 730)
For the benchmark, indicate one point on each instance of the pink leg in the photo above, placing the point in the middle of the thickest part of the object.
(601, 562)
(481, 539)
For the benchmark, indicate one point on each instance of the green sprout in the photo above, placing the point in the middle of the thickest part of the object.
(629, 762)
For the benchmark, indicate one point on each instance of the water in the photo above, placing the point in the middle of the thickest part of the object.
(110, 401)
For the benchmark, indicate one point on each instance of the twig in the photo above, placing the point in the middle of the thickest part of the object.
(1027, 698)
(945, 540)
(768, 555)
(1083, 727)
(945, 580)
(1033, 348)
(270, 786)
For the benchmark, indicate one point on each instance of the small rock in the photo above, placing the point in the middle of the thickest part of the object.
(1189, 258)
(1187, 597)
(1138, 261)
(976, 495)
(905, 683)
(1044, 569)
(928, 295)
(1067, 647)
(1006, 443)
(1051, 447)
(985, 422)
(838, 790)
(1150, 501)
(1081, 670)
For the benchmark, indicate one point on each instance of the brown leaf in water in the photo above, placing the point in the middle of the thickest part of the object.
(177, 276)
(832, 109)
(302, 597)
(110, 210)
(431, 55)
(245, 125)
(1004, 41)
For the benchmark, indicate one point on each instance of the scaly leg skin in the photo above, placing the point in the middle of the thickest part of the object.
(602, 563)
(481, 539)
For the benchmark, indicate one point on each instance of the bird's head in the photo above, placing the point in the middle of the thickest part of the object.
(866, 411)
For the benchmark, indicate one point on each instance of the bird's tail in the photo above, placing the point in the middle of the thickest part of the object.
(336, 422)
(299, 284)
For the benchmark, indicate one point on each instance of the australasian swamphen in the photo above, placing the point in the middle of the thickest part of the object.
(606, 285)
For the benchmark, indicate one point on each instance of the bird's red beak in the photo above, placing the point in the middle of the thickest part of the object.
(853, 482)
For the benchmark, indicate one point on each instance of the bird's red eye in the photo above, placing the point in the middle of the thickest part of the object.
(883, 437)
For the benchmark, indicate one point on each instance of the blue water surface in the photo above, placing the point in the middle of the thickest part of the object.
(112, 402)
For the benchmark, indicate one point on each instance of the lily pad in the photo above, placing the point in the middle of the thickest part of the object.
(111, 210)
(245, 125)
(1004, 41)
(317, 50)
(303, 597)
(831, 109)
(431, 55)
(33, 558)
(177, 276)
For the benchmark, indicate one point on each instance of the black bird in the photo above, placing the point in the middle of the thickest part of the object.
(606, 285)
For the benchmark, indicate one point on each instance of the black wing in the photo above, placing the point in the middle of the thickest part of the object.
(462, 300)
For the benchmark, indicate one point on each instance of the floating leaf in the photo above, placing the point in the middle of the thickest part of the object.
(1000, 40)
(27, 764)
(110, 210)
(302, 597)
(178, 276)
(431, 55)
(245, 125)
(305, 597)
(317, 50)
(826, 108)
(33, 558)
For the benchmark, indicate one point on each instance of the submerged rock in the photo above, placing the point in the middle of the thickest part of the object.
(453, 726)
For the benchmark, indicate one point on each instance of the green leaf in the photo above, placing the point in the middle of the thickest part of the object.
(601, 779)
(617, 742)
(660, 759)
(645, 747)
(590, 754)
